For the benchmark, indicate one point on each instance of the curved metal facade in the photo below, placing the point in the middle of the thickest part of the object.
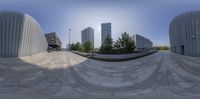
(185, 34)
(20, 35)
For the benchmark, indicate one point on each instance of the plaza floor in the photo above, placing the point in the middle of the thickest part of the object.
(64, 75)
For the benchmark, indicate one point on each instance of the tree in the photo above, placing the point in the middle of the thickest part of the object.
(87, 46)
(107, 45)
(72, 46)
(77, 46)
(125, 43)
(162, 48)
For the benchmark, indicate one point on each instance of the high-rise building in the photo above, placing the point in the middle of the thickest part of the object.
(87, 35)
(142, 43)
(105, 31)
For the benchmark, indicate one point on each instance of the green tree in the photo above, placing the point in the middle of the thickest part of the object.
(162, 48)
(87, 46)
(72, 46)
(125, 43)
(106, 46)
(77, 46)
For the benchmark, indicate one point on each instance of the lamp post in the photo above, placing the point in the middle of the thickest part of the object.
(69, 38)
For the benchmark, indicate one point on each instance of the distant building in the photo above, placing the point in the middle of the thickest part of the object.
(20, 35)
(87, 35)
(54, 43)
(184, 33)
(105, 31)
(142, 43)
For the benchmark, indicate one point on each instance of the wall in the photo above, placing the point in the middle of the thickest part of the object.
(20, 35)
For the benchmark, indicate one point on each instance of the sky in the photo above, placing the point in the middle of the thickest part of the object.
(149, 18)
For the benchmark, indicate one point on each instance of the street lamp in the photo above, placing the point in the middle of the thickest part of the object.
(69, 37)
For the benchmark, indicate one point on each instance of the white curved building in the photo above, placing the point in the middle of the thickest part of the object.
(20, 35)
(184, 34)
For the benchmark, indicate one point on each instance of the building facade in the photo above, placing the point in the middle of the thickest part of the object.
(184, 33)
(142, 43)
(87, 35)
(54, 42)
(20, 35)
(105, 31)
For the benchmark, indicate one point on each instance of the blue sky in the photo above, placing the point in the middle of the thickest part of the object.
(150, 18)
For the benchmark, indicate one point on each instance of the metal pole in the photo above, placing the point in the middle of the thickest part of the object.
(69, 37)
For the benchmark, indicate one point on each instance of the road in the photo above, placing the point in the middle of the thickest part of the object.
(63, 75)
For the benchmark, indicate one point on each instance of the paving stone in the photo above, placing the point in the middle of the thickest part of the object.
(162, 75)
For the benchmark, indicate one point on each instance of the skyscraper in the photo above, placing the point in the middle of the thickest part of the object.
(87, 35)
(105, 31)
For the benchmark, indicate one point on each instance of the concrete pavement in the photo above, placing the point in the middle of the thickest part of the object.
(60, 75)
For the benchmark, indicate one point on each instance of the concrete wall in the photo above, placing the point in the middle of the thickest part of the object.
(185, 34)
(20, 35)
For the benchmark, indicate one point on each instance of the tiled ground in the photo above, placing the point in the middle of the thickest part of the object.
(61, 75)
